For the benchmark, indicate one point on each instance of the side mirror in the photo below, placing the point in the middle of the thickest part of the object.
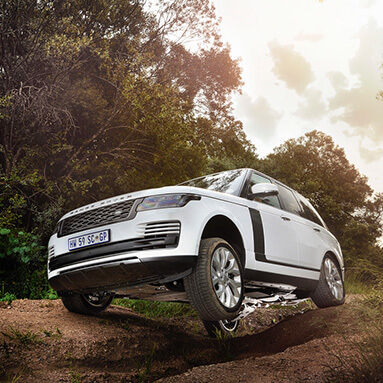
(263, 190)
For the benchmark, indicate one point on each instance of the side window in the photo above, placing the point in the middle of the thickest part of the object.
(289, 201)
(258, 179)
(308, 211)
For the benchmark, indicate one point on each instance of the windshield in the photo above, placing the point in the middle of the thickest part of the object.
(229, 182)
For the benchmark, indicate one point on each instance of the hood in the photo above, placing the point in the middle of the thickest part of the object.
(178, 189)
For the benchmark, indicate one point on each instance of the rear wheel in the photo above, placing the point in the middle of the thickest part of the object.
(215, 287)
(330, 290)
(224, 326)
(89, 304)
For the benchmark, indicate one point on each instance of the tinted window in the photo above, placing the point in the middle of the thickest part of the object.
(229, 182)
(289, 201)
(308, 210)
(258, 179)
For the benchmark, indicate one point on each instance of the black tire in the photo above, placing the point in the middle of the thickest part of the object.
(330, 290)
(227, 328)
(88, 304)
(215, 287)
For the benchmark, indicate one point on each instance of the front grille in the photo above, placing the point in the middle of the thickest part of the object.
(117, 212)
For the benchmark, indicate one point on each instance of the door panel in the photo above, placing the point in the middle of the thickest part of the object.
(311, 246)
(279, 236)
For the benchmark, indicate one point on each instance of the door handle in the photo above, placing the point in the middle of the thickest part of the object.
(316, 229)
(285, 218)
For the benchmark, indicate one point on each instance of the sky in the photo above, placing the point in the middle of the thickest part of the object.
(310, 64)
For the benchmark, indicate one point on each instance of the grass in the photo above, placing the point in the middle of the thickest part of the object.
(154, 309)
(8, 297)
(14, 378)
(25, 338)
(53, 334)
(144, 369)
(354, 286)
(73, 373)
(224, 346)
(363, 360)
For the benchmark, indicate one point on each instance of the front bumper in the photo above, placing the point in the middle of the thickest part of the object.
(131, 271)
(153, 247)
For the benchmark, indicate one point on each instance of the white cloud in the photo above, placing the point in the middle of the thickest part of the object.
(313, 37)
(317, 65)
(358, 106)
(313, 107)
(338, 80)
(259, 117)
(370, 155)
(290, 66)
(367, 3)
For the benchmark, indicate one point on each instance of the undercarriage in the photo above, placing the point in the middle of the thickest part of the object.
(256, 296)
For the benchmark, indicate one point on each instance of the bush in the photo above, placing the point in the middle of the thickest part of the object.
(22, 265)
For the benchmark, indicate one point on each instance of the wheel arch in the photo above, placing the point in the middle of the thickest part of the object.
(223, 227)
(337, 259)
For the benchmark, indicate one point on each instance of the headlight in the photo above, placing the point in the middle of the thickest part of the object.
(166, 201)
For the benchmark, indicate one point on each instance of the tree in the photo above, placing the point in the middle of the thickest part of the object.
(99, 98)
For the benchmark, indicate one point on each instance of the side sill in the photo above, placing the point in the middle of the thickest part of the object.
(300, 283)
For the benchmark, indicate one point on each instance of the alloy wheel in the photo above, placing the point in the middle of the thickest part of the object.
(226, 277)
(333, 279)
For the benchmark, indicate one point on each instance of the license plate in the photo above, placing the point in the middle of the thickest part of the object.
(91, 239)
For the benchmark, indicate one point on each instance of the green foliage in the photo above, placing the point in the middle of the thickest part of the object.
(353, 285)
(144, 368)
(24, 337)
(49, 293)
(7, 297)
(99, 98)
(22, 265)
(13, 378)
(22, 246)
(97, 91)
(153, 309)
(53, 334)
(367, 267)
(225, 349)
(73, 373)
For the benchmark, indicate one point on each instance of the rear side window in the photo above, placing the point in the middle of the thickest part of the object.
(308, 211)
(290, 203)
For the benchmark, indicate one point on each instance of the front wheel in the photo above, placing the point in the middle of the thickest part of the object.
(88, 304)
(330, 290)
(215, 287)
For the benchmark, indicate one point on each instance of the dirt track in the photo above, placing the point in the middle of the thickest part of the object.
(122, 346)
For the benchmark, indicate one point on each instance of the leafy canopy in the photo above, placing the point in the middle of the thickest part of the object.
(103, 97)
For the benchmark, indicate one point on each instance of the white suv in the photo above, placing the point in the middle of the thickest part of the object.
(218, 238)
